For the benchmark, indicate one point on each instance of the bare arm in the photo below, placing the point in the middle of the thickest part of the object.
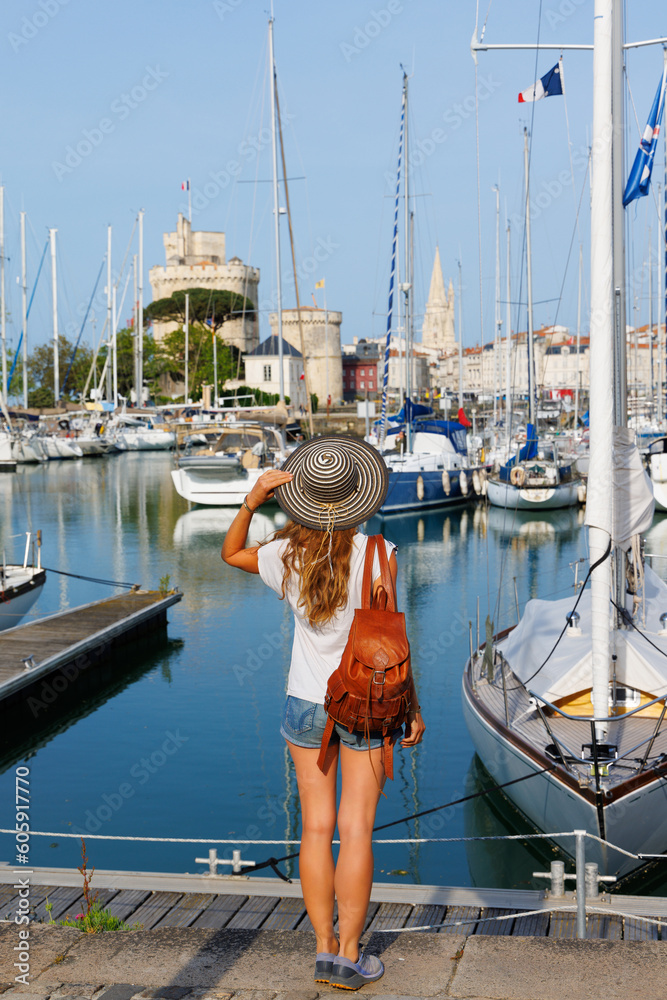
(234, 551)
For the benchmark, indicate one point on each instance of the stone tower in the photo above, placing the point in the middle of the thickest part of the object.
(197, 260)
(321, 340)
(438, 327)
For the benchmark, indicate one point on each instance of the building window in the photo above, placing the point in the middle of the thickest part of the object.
(362, 371)
(267, 373)
(362, 385)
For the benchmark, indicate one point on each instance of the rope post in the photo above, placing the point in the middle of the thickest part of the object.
(591, 879)
(580, 859)
(557, 878)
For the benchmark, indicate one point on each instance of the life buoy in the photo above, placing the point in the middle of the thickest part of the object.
(463, 483)
(517, 476)
(64, 425)
(446, 484)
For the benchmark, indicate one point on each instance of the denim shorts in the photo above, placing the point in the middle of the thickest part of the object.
(303, 725)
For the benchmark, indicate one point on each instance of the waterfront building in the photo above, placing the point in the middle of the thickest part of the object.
(262, 370)
(321, 346)
(362, 370)
(197, 259)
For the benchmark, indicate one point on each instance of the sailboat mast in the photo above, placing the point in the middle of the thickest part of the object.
(3, 308)
(508, 348)
(499, 322)
(650, 310)
(602, 322)
(407, 284)
(139, 329)
(618, 225)
(276, 218)
(107, 364)
(24, 311)
(460, 334)
(529, 269)
(577, 372)
(54, 297)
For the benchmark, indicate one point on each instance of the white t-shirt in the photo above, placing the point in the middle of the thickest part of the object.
(316, 652)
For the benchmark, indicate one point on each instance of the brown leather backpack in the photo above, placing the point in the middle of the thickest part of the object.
(369, 692)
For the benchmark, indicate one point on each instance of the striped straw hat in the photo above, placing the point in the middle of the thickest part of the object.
(338, 482)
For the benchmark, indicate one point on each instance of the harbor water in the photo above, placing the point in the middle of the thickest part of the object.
(181, 737)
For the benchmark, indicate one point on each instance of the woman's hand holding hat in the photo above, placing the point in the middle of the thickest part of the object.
(265, 485)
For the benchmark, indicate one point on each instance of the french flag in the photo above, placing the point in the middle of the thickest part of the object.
(549, 85)
(185, 186)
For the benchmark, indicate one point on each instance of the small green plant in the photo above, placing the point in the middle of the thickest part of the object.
(93, 919)
(49, 910)
(165, 584)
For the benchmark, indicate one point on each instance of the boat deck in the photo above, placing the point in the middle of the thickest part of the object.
(629, 735)
(155, 900)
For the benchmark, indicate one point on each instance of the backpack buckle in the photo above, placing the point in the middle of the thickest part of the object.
(375, 676)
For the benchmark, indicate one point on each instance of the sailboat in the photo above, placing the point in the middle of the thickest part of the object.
(574, 697)
(427, 458)
(20, 584)
(536, 478)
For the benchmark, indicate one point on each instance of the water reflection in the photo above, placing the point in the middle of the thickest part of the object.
(510, 864)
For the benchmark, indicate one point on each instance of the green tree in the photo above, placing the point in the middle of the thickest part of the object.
(209, 307)
(40, 372)
(200, 358)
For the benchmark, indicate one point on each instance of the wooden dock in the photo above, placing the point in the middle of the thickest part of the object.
(253, 903)
(69, 642)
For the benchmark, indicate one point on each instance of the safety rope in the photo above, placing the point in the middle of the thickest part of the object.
(92, 579)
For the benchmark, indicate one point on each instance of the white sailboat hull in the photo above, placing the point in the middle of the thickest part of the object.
(658, 472)
(145, 440)
(19, 590)
(637, 822)
(532, 498)
(216, 490)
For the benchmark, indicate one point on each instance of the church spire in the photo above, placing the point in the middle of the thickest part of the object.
(438, 328)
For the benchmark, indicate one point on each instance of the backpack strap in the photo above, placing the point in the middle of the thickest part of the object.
(324, 745)
(367, 582)
(385, 574)
(388, 757)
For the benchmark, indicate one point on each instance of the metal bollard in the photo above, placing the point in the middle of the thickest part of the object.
(557, 878)
(591, 879)
(580, 858)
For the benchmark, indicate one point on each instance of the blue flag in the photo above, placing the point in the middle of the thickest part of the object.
(640, 175)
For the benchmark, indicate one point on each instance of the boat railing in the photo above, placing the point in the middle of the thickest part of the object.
(586, 875)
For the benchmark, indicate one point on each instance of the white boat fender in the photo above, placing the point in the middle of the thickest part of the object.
(463, 483)
(420, 488)
(446, 484)
(476, 482)
(581, 493)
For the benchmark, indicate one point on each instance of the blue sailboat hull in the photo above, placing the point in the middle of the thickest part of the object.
(404, 490)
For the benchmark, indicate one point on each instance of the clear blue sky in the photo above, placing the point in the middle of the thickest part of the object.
(195, 73)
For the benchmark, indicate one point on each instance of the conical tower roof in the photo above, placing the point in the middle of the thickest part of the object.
(437, 296)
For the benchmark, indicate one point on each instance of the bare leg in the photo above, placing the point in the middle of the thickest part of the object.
(356, 818)
(317, 793)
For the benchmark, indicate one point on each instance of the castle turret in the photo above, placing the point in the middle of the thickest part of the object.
(197, 260)
(321, 342)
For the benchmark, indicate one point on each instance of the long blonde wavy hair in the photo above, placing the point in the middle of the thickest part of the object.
(323, 574)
